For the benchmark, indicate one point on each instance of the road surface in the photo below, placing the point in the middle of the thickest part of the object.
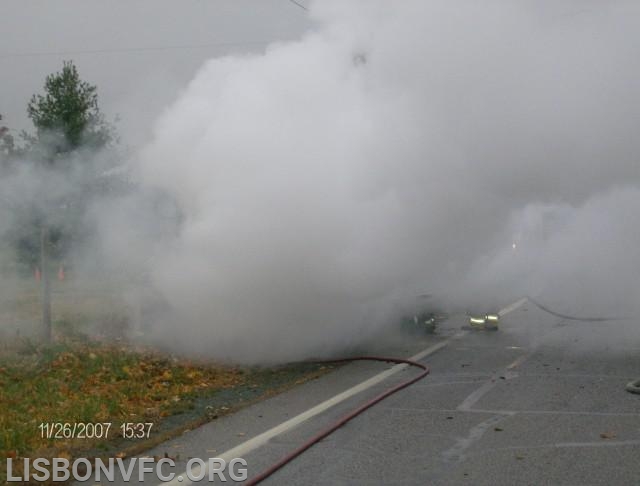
(541, 401)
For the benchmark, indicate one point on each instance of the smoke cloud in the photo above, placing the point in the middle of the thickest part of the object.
(476, 152)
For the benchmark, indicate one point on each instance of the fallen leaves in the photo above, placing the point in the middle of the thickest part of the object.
(97, 382)
(94, 382)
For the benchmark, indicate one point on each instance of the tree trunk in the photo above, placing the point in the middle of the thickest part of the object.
(46, 289)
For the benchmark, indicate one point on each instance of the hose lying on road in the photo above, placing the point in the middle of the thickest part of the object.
(632, 386)
(572, 318)
(339, 423)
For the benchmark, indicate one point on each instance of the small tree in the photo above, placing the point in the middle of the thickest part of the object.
(7, 147)
(67, 116)
(67, 119)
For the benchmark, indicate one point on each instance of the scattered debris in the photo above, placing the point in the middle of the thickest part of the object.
(633, 387)
(487, 322)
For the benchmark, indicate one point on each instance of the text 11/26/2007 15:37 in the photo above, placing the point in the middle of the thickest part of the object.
(91, 430)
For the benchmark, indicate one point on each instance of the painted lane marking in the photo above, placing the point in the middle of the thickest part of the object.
(475, 396)
(518, 361)
(568, 445)
(516, 412)
(512, 307)
(457, 452)
(261, 439)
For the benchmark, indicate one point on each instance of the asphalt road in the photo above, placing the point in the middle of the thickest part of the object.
(541, 401)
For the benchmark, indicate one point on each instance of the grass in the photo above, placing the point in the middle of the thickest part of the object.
(91, 382)
(95, 382)
(79, 304)
(78, 379)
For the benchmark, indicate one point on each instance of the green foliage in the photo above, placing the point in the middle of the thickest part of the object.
(69, 172)
(67, 116)
(7, 146)
(24, 237)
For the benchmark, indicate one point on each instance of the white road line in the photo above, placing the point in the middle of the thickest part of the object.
(512, 307)
(557, 412)
(568, 445)
(445, 383)
(474, 397)
(612, 443)
(456, 453)
(260, 440)
(477, 394)
(518, 361)
(517, 412)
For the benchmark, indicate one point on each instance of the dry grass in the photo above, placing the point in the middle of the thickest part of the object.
(94, 383)
(88, 378)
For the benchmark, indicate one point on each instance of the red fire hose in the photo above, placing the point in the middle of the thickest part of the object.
(339, 423)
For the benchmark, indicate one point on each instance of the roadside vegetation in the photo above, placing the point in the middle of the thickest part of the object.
(69, 354)
(47, 388)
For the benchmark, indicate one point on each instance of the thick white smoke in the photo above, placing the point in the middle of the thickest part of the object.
(400, 149)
